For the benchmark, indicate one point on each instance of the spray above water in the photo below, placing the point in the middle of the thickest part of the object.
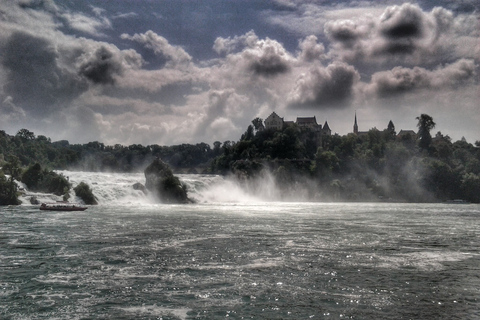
(117, 188)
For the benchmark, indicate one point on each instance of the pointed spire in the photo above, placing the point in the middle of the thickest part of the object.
(355, 126)
(325, 126)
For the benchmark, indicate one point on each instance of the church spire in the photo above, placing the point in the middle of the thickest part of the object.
(355, 126)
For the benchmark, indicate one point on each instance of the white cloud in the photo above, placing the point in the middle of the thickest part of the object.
(176, 55)
(86, 24)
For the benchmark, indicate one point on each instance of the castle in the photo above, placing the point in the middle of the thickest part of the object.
(275, 122)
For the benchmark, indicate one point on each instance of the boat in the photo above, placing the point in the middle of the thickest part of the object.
(62, 206)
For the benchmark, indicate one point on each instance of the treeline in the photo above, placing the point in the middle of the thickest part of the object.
(372, 166)
(376, 165)
(96, 156)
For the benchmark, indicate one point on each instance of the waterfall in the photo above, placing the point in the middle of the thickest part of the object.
(117, 189)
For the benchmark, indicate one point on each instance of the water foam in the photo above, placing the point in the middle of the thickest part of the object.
(117, 188)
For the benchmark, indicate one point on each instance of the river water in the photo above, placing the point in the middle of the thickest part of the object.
(236, 255)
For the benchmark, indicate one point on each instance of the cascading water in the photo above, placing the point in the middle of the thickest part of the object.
(117, 189)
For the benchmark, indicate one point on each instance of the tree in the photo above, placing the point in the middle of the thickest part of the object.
(33, 176)
(425, 124)
(216, 148)
(26, 134)
(12, 167)
(391, 130)
(258, 124)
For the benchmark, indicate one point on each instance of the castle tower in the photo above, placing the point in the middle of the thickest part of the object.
(355, 126)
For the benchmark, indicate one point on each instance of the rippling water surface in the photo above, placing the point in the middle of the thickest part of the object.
(241, 260)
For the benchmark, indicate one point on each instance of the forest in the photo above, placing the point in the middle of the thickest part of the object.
(378, 165)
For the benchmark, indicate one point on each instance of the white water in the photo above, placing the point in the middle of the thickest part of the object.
(117, 188)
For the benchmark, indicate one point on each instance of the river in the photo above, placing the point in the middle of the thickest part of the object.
(237, 254)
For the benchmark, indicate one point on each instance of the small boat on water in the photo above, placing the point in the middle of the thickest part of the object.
(62, 206)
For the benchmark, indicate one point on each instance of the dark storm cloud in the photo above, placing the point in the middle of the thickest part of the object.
(102, 67)
(401, 27)
(332, 86)
(35, 81)
(269, 65)
(402, 22)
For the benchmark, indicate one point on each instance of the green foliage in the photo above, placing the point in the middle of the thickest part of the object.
(471, 187)
(32, 177)
(12, 167)
(46, 181)
(374, 166)
(8, 191)
(26, 134)
(95, 156)
(83, 191)
(425, 125)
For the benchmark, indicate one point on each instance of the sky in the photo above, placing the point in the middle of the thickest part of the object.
(172, 72)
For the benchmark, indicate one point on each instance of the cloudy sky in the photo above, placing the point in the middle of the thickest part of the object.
(171, 72)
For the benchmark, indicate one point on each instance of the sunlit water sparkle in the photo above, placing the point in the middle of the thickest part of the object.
(236, 255)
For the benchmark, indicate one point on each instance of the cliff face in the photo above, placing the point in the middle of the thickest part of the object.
(163, 184)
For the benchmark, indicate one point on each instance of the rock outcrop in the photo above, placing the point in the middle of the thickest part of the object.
(83, 191)
(163, 184)
(139, 186)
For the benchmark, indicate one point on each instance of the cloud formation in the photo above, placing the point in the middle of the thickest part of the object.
(402, 34)
(34, 79)
(143, 74)
(328, 87)
(174, 55)
(402, 80)
(101, 67)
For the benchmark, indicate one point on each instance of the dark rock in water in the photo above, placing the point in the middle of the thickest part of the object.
(141, 187)
(83, 191)
(161, 181)
(34, 200)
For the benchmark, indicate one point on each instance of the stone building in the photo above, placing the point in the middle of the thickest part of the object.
(274, 122)
(307, 125)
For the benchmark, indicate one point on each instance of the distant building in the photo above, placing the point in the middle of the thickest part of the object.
(274, 122)
(308, 122)
(404, 133)
(326, 129)
(305, 124)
